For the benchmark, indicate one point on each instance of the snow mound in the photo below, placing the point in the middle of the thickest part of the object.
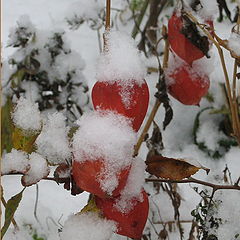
(52, 143)
(15, 161)
(26, 115)
(87, 226)
(234, 43)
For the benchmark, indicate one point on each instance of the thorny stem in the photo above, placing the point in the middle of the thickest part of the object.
(157, 102)
(215, 187)
(13, 220)
(233, 110)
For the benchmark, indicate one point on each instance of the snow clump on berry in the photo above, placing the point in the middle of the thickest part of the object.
(121, 62)
(133, 187)
(107, 136)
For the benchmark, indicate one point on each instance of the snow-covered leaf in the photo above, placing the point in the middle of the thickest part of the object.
(38, 169)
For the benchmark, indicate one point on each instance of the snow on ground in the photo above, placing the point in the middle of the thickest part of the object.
(55, 204)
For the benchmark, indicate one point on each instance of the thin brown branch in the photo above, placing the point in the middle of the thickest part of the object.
(146, 127)
(172, 222)
(189, 180)
(215, 187)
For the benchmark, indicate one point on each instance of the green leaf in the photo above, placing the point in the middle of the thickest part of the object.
(11, 207)
(6, 126)
(196, 124)
(17, 77)
(35, 237)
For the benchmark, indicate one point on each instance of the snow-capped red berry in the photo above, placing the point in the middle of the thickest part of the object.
(102, 152)
(130, 101)
(187, 85)
(180, 44)
(130, 223)
(88, 176)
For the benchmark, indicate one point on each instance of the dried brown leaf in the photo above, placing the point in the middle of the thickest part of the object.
(171, 168)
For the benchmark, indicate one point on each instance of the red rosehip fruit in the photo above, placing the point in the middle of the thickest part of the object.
(130, 223)
(89, 174)
(188, 86)
(130, 101)
(179, 43)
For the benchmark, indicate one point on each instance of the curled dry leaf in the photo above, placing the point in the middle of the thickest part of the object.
(63, 174)
(171, 168)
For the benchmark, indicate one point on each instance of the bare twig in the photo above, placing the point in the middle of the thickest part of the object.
(197, 181)
(173, 221)
(189, 180)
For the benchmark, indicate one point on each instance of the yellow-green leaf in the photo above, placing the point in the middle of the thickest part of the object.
(22, 141)
(91, 206)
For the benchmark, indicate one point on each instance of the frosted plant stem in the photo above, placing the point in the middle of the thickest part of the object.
(235, 118)
(107, 24)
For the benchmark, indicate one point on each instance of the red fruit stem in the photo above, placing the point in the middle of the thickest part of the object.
(108, 15)
(233, 107)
